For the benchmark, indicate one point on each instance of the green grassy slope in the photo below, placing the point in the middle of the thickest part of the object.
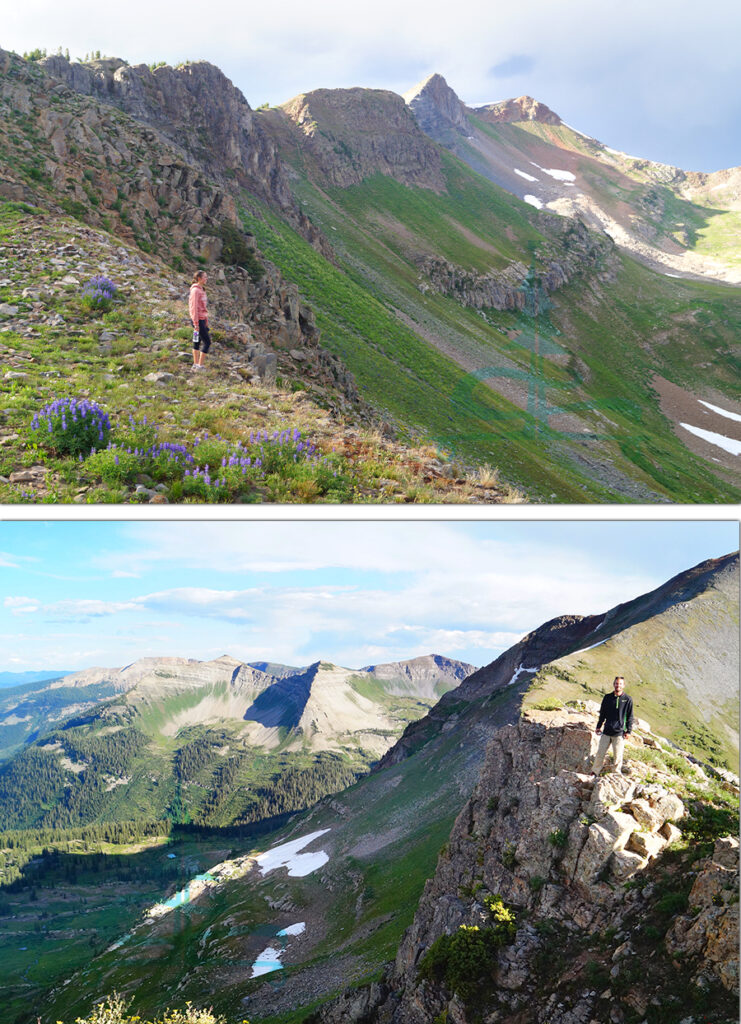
(427, 360)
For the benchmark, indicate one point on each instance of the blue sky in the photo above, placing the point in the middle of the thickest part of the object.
(657, 80)
(75, 595)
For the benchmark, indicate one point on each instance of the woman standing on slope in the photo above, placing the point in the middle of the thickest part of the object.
(198, 308)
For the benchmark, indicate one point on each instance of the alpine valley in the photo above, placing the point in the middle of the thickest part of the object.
(453, 303)
(413, 843)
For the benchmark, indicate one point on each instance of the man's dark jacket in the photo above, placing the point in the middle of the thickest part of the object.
(617, 714)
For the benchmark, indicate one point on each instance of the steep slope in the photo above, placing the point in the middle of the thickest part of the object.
(380, 839)
(204, 740)
(561, 344)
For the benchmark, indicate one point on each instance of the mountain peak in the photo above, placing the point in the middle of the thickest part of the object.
(523, 108)
(437, 107)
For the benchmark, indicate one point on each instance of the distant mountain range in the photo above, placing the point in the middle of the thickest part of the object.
(488, 279)
(175, 736)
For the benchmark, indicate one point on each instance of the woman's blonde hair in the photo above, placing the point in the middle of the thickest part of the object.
(198, 275)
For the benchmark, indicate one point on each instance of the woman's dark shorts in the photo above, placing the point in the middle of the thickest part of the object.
(204, 338)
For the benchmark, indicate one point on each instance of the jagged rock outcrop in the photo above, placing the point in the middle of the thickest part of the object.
(437, 108)
(524, 108)
(558, 847)
(350, 134)
(515, 287)
(194, 106)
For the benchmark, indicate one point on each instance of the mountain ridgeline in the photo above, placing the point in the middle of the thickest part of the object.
(479, 868)
(488, 280)
(217, 742)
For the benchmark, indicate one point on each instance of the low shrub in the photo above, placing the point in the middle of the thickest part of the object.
(114, 1010)
(559, 838)
(98, 293)
(463, 961)
(69, 426)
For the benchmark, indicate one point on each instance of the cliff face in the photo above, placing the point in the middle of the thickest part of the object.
(558, 848)
(194, 106)
(350, 134)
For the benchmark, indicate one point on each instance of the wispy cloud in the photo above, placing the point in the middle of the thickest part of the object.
(21, 605)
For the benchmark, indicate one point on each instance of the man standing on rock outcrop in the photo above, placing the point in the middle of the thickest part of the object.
(616, 714)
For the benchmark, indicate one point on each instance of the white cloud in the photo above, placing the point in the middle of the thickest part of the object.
(21, 605)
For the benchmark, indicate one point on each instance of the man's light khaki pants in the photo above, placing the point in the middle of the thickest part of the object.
(617, 752)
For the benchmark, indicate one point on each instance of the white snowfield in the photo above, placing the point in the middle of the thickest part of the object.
(720, 440)
(715, 408)
(293, 929)
(527, 177)
(533, 201)
(519, 671)
(288, 855)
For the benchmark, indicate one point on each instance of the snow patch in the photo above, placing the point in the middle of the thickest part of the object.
(293, 929)
(267, 961)
(720, 440)
(554, 172)
(287, 855)
(527, 177)
(519, 671)
(591, 646)
(721, 412)
(533, 201)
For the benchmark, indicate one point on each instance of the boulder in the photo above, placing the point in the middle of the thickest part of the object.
(610, 791)
(725, 852)
(670, 832)
(647, 816)
(625, 863)
(647, 844)
(610, 834)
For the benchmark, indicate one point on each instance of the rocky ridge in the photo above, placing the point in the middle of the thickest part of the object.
(350, 134)
(197, 108)
(558, 847)
(513, 288)
(142, 185)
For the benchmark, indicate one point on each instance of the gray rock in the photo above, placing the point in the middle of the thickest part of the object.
(7, 310)
(159, 377)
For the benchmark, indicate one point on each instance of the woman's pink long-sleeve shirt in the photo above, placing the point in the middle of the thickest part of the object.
(197, 304)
